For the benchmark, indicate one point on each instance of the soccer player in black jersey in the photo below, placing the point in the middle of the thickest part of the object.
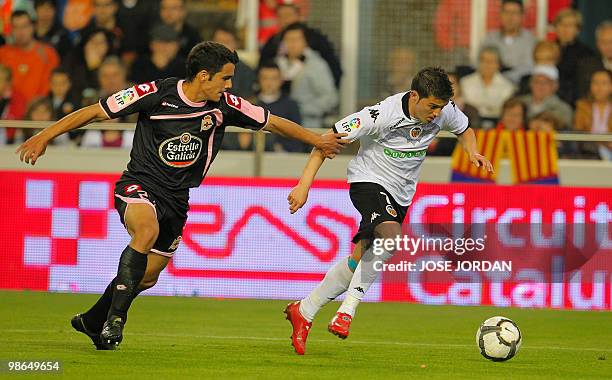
(180, 127)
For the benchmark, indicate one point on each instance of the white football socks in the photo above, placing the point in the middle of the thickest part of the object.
(363, 278)
(336, 281)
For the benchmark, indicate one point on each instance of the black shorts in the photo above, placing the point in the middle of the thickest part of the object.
(171, 212)
(375, 205)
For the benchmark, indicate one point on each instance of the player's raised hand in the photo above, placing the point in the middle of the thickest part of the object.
(297, 198)
(32, 148)
(331, 143)
(481, 161)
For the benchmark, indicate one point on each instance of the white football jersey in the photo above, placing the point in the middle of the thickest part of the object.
(393, 145)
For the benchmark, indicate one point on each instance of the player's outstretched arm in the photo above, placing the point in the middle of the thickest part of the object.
(36, 145)
(468, 141)
(329, 144)
(299, 194)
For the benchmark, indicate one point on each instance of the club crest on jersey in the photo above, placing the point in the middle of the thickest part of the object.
(207, 123)
(181, 151)
(391, 211)
(415, 132)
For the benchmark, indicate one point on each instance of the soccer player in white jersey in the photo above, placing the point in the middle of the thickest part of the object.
(394, 135)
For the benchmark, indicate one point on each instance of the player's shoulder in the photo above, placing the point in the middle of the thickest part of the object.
(390, 105)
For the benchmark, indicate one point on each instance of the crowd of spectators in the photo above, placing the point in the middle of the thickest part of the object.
(52, 64)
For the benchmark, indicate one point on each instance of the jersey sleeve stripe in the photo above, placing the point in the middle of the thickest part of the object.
(466, 128)
(103, 109)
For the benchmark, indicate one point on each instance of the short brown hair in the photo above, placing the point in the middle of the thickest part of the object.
(568, 12)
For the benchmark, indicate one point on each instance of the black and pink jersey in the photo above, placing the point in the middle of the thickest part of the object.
(176, 140)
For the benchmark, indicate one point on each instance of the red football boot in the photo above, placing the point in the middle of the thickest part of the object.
(300, 325)
(340, 325)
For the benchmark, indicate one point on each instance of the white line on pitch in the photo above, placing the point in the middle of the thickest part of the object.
(366, 342)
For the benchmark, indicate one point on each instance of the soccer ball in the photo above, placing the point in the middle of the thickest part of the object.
(498, 339)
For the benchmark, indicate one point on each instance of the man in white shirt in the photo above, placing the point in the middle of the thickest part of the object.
(394, 135)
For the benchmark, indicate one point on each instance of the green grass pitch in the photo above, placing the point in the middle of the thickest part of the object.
(174, 337)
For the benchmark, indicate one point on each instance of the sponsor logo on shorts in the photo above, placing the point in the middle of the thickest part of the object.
(175, 244)
(399, 154)
(181, 151)
(391, 211)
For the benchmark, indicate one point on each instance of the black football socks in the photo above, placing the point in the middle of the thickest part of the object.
(132, 267)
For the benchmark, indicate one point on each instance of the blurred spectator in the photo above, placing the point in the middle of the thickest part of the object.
(513, 115)
(76, 14)
(487, 89)
(288, 14)
(544, 84)
(602, 60)
(48, 29)
(112, 76)
(163, 61)
(401, 68)
(567, 25)
(173, 13)
(310, 79)
(469, 110)
(63, 100)
(40, 109)
(135, 17)
(30, 61)
(12, 105)
(544, 53)
(272, 98)
(83, 63)
(545, 121)
(513, 41)
(268, 25)
(594, 113)
(244, 76)
(105, 17)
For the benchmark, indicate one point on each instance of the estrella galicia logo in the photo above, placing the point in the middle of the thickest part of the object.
(181, 151)
(374, 114)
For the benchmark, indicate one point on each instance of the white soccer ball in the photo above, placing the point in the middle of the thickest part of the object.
(498, 338)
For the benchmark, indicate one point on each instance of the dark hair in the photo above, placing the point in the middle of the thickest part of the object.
(90, 34)
(60, 70)
(295, 26)
(38, 3)
(432, 81)
(517, 2)
(269, 65)
(209, 56)
(37, 102)
(21, 13)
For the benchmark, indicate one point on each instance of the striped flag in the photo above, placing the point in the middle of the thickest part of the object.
(490, 144)
(533, 157)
